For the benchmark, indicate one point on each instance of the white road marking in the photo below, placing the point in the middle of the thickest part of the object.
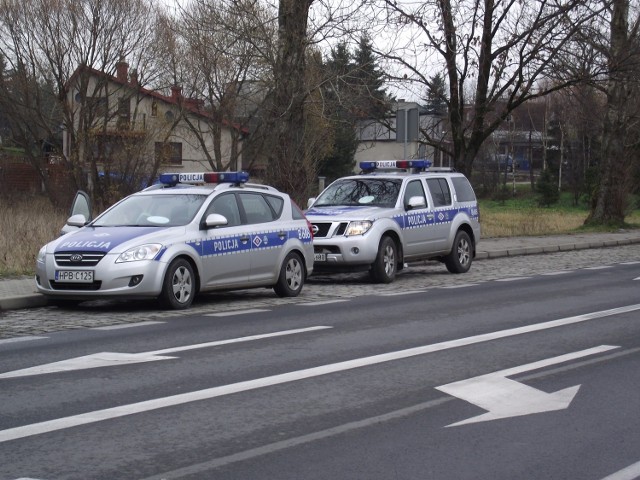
(464, 285)
(396, 294)
(504, 398)
(630, 473)
(602, 267)
(321, 302)
(208, 393)
(109, 359)
(556, 273)
(237, 312)
(21, 339)
(511, 279)
(126, 325)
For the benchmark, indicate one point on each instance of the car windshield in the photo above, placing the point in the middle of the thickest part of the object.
(379, 192)
(152, 210)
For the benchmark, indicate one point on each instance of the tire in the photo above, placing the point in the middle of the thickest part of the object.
(461, 255)
(291, 278)
(179, 286)
(385, 266)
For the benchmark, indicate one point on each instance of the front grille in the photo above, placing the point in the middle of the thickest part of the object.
(323, 230)
(76, 286)
(78, 259)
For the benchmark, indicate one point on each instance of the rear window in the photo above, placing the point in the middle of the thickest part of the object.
(464, 191)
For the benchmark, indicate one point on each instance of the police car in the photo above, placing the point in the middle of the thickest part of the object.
(395, 212)
(190, 233)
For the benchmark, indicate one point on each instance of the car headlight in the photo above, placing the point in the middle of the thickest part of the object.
(143, 252)
(358, 228)
(42, 255)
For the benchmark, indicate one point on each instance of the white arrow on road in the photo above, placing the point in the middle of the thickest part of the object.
(109, 359)
(504, 398)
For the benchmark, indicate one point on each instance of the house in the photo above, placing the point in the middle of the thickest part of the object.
(121, 126)
(400, 136)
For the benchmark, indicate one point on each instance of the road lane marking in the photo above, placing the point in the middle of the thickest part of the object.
(127, 325)
(237, 312)
(321, 302)
(630, 473)
(397, 294)
(505, 398)
(20, 339)
(109, 359)
(209, 393)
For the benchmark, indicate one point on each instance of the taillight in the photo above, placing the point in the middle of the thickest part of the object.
(310, 228)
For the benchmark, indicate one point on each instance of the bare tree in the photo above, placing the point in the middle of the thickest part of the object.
(495, 55)
(621, 135)
(46, 42)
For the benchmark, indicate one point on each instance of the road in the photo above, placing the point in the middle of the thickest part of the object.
(526, 368)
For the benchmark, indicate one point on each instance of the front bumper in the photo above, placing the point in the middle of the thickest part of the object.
(141, 279)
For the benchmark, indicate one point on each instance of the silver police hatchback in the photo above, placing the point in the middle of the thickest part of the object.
(190, 233)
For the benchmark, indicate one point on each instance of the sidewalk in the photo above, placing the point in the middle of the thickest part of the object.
(17, 293)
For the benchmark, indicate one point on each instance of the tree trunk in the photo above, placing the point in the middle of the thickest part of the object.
(611, 199)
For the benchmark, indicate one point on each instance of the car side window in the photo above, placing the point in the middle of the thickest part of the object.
(256, 208)
(440, 191)
(414, 189)
(276, 203)
(464, 191)
(227, 206)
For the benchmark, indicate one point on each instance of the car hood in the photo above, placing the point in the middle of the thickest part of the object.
(320, 214)
(112, 239)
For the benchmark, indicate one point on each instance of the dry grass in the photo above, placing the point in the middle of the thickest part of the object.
(533, 222)
(26, 224)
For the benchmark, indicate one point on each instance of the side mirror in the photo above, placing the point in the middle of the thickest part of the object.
(416, 202)
(215, 220)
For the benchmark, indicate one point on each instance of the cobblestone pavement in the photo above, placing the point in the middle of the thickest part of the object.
(430, 275)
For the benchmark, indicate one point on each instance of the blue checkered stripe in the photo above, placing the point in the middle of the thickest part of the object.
(420, 219)
(233, 244)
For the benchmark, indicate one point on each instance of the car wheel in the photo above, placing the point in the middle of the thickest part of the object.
(291, 278)
(384, 268)
(461, 255)
(178, 288)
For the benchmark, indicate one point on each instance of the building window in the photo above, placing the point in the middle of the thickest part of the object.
(124, 113)
(154, 109)
(169, 153)
(97, 106)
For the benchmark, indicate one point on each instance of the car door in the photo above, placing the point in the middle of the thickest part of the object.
(418, 219)
(268, 234)
(443, 212)
(225, 250)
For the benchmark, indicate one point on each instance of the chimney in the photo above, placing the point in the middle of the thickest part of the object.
(134, 77)
(176, 92)
(122, 71)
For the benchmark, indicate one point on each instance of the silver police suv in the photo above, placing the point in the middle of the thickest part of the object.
(190, 233)
(395, 212)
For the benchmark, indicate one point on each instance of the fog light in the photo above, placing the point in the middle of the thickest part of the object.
(135, 280)
(355, 250)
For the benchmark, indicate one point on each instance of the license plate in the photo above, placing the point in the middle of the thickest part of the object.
(319, 257)
(74, 276)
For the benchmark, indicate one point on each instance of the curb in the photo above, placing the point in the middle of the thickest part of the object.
(23, 301)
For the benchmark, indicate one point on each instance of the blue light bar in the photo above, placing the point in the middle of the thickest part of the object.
(395, 164)
(204, 177)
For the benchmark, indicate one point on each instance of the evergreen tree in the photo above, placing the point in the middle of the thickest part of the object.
(372, 100)
(437, 95)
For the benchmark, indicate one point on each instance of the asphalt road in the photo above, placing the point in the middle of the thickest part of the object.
(352, 382)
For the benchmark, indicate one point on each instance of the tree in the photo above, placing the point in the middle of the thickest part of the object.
(290, 167)
(437, 95)
(44, 43)
(371, 96)
(494, 53)
(621, 134)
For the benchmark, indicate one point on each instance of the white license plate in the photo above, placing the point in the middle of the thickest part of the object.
(74, 276)
(319, 257)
